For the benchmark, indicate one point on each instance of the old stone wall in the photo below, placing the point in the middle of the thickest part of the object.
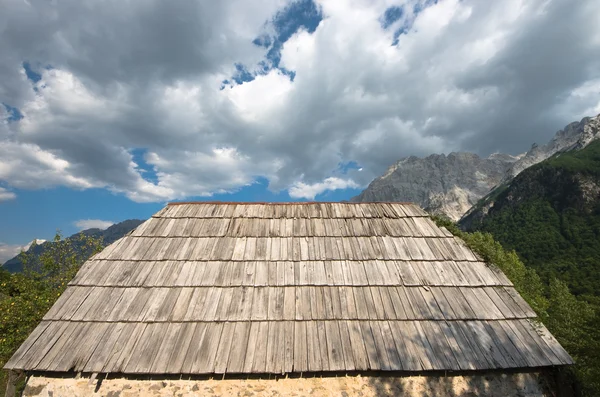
(492, 385)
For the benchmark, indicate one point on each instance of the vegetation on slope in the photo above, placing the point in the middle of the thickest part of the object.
(25, 297)
(574, 322)
(550, 215)
(108, 236)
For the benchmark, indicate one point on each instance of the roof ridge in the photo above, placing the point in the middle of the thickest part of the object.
(287, 202)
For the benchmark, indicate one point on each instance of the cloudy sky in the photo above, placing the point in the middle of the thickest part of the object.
(112, 108)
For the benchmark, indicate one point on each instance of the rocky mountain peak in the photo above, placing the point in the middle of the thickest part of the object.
(451, 184)
(574, 136)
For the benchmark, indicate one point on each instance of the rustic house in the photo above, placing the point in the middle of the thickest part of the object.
(242, 290)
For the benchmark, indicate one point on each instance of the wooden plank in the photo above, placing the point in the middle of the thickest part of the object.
(459, 305)
(362, 311)
(195, 305)
(498, 302)
(159, 365)
(375, 362)
(377, 302)
(540, 347)
(225, 347)
(249, 273)
(211, 304)
(224, 304)
(271, 273)
(346, 345)
(56, 349)
(303, 307)
(243, 310)
(300, 347)
(93, 299)
(289, 303)
(315, 363)
(359, 352)
(407, 273)
(407, 353)
(418, 303)
(272, 363)
(275, 302)
(17, 359)
(380, 345)
(150, 351)
(206, 360)
(504, 344)
(192, 351)
(397, 303)
(113, 360)
(552, 343)
(436, 362)
(317, 303)
(488, 345)
(390, 346)
(251, 347)
(287, 332)
(439, 345)
(463, 357)
(321, 332)
(260, 351)
(518, 340)
(260, 304)
(334, 346)
(508, 300)
(492, 311)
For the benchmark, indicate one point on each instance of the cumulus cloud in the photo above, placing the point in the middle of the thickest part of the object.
(6, 195)
(8, 251)
(310, 191)
(84, 224)
(218, 94)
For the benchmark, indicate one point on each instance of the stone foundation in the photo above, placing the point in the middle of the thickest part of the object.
(491, 385)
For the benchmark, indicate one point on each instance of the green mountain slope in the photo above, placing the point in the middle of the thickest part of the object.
(108, 236)
(550, 215)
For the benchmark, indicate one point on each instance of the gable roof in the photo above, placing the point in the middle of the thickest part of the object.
(204, 288)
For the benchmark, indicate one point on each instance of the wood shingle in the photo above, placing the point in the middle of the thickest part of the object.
(215, 288)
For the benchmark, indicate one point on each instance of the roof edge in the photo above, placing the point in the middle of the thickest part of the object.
(287, 202)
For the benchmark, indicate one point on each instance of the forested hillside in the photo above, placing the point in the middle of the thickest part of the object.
(107, 236)
(550, 215)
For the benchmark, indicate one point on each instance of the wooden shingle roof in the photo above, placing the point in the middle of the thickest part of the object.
(204, 288)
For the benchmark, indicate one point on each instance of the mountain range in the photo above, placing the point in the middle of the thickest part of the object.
(108, 236)
(452, 184)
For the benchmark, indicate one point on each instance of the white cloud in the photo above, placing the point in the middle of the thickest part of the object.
(84, 224)
(9, 251)
(310, 191)
(6, 195)
(465, 75)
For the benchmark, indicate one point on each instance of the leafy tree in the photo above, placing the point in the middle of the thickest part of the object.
(26, 297)
(574, 321)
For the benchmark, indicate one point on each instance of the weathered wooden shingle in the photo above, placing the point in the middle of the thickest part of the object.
(213, 288)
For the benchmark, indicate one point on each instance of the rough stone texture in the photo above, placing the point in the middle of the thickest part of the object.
(438, 183)
(491, 385)
(574, 136)
(452, 184)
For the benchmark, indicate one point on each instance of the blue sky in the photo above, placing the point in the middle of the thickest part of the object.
(107, 114)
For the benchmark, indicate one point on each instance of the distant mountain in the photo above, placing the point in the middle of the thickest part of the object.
(550, 215)
(109, 235)
(452, 184)
(438, 183)
(574, 136)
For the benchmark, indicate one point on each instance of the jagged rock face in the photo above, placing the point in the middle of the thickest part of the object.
(452, 184)
(574, 136)
(439, 183)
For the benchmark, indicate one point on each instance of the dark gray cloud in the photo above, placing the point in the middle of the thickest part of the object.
(468, 75)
